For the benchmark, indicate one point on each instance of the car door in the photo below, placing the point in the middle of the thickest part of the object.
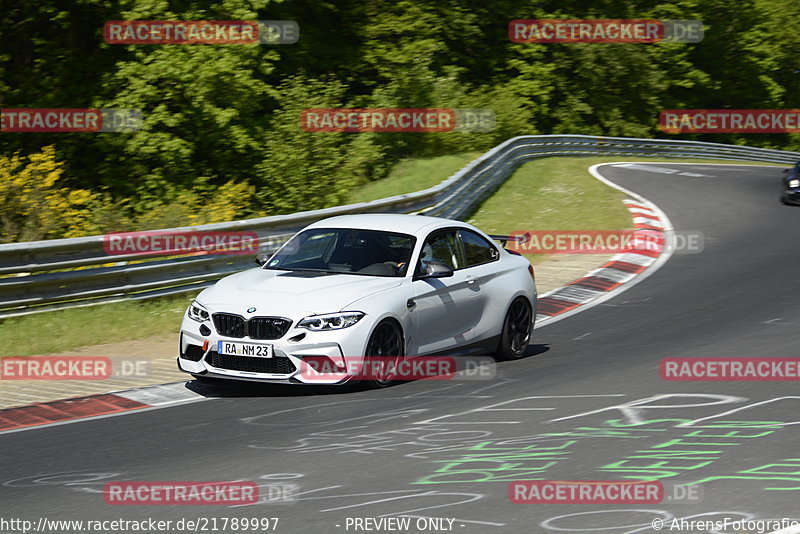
(445, 311)
(481, 267)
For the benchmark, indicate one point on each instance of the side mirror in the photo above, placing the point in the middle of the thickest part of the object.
(262, 258)
(787, 171)
(436, 269)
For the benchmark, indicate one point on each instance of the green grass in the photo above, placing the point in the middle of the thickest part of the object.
(60, 331)
(545, 194)
(411, 175)
(558, 194)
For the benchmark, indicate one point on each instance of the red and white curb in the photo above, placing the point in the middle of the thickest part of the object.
(95, 406)
(622, 272)
(622, 268)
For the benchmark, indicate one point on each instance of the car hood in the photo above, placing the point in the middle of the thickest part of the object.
(290, 294)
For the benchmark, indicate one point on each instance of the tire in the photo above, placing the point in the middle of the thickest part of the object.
(516, 333)
(385, 342)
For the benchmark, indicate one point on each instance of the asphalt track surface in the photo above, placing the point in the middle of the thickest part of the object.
(449, 449)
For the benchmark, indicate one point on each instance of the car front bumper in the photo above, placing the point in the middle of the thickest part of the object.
(289, 363)
(791, 196)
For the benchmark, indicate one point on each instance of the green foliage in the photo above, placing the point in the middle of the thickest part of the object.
(224, 120)
(302, 170)
(33, 205)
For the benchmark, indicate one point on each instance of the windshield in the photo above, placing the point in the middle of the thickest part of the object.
(346, 251)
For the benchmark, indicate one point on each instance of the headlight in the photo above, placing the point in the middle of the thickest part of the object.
(794, 183)
(197, 312)
(330, 321)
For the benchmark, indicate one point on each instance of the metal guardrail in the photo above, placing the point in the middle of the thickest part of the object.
(61, 273)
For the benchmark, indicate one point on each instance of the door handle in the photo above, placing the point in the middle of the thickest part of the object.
(471, 280)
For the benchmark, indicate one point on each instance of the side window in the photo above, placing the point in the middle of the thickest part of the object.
(441, 247)
(476, 249)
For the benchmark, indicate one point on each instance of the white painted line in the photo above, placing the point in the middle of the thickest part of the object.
(699, 164)
(660, 170)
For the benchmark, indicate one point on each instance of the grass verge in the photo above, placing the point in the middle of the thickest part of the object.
(410, 175)
(60, 331)
(559, 194)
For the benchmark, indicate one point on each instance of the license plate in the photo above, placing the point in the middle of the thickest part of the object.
(235, 348)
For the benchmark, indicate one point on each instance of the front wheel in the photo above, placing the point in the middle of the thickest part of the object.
(384, 352)
(516, 332)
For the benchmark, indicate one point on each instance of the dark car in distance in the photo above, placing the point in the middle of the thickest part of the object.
(791, 185)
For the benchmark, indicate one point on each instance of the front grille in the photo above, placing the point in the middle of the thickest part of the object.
(267, 327)
(276, 365)
(230, 325)
(193, 353)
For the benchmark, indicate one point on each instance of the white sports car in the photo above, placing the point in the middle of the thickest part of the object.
(356, 288)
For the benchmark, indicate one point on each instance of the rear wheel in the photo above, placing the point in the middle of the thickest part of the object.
(384, 352)
(516, 332)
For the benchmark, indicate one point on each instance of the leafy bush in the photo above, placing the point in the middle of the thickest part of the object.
(33, 206)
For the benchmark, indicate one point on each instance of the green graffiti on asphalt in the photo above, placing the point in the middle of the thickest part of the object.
(679, 451)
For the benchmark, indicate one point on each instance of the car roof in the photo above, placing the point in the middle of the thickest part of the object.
(388, 222)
